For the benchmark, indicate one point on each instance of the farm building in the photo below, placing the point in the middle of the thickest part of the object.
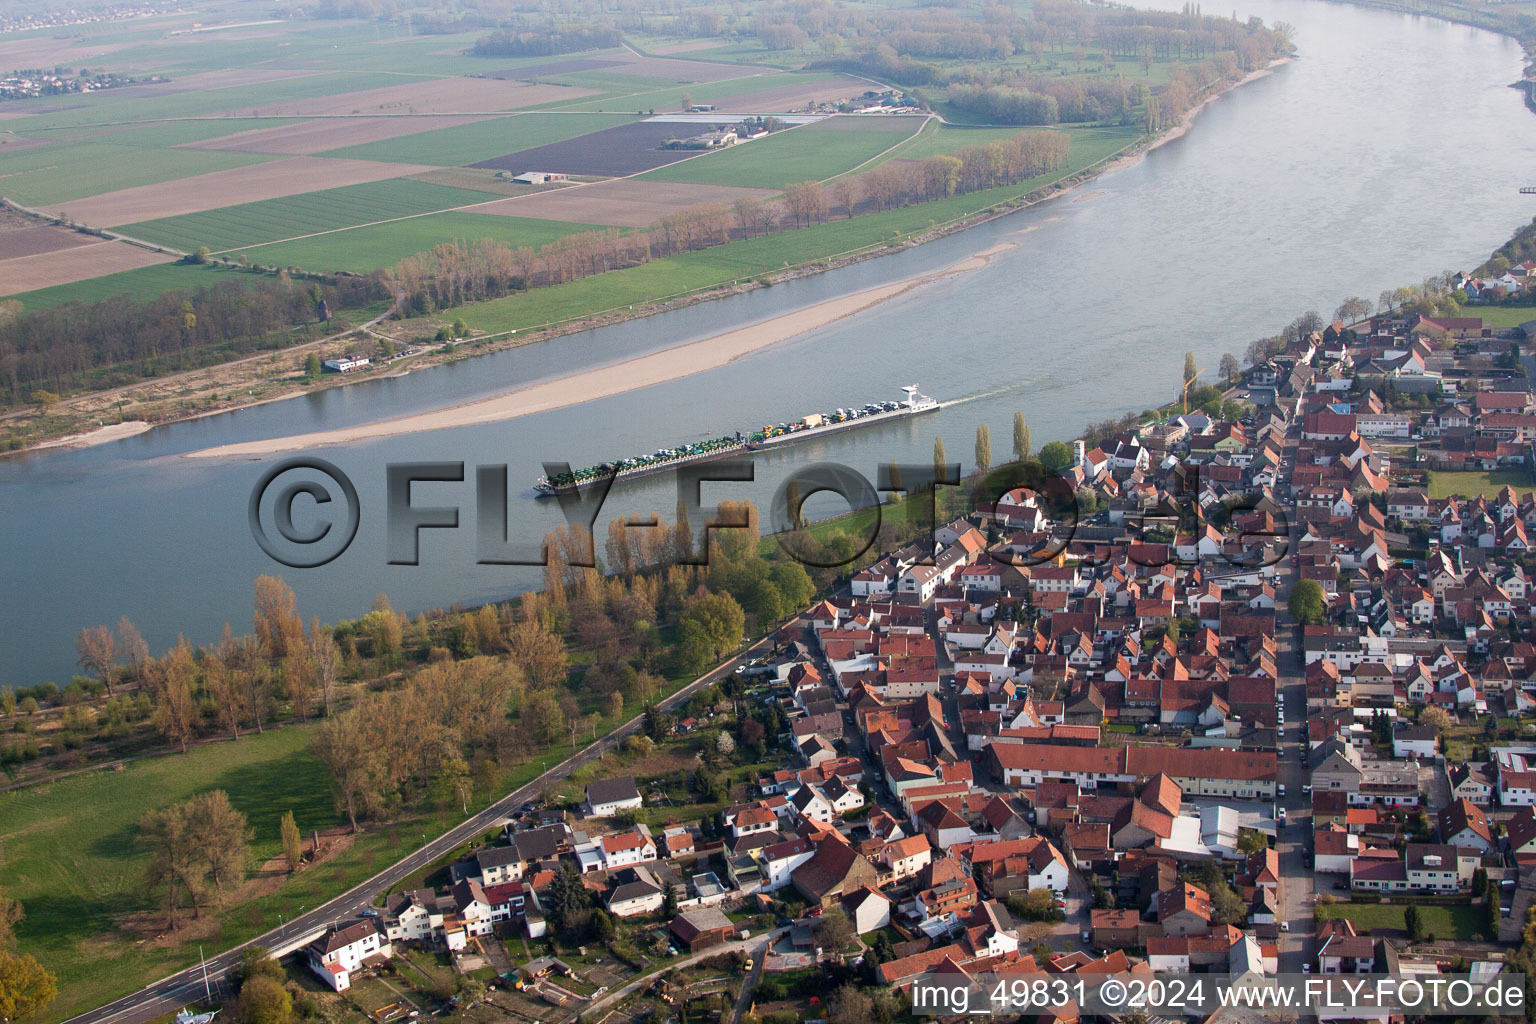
(538, 177)
(708, 140)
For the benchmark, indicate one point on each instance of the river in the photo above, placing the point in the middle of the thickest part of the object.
(1391, 150)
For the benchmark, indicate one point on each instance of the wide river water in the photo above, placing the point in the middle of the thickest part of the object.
(1392, 150)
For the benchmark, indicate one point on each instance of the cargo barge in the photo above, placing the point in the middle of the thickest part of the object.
(770, 436)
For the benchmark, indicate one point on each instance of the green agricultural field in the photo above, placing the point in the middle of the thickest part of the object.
(1469, 484)
(471, 143)
(382, 245)
(178, 133)
(797, 154)
(159, 134)
(46, 175)
(142, 285)
(270, 220)
(707, 268)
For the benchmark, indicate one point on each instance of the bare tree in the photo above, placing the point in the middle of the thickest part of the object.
(845, 192)
(176, 714)
(98, 653)
(276, 617)
(326, 659)
(133, 648)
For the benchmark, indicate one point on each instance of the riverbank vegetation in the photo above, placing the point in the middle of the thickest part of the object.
(371, 733)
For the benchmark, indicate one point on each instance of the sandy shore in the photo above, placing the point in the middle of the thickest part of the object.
(101, 435)
(603, 382)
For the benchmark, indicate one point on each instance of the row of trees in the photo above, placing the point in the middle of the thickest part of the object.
(69, 346)
(544, 42)
(1000, 32)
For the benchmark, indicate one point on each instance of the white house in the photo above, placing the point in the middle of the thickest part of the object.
(607, 797)
(626, 849)
(340, 952)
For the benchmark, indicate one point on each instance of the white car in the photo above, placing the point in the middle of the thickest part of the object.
(1285, 926)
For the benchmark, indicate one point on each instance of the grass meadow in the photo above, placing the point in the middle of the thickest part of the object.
(71, 856)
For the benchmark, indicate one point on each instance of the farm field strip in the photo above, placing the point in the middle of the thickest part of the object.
(614, 152)
(271, 220)
(483, 140)
(141, 285)
(78, 263)
(66, 172)
(371, 246)
(630, 202)
(272, 179)
(307, 137)
(99, 107)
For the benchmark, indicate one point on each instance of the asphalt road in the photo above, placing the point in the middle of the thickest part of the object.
(1293, 841)
(187, 986)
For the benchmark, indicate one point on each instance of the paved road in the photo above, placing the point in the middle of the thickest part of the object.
(1293, 842)
(755, 975)
(186, 987)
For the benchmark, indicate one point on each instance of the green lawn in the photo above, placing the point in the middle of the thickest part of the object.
(70, 855)
(482, 140)
(1502, 316)
(382, 245)
(811, 153)
(707, 268)
(1468, 484)
(269, 220)
(1462, 921)
(53, 174)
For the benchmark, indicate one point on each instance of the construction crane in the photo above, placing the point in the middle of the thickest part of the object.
(1184, 391)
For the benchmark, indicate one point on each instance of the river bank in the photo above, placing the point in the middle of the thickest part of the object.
(217, 389)
(629, 375)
